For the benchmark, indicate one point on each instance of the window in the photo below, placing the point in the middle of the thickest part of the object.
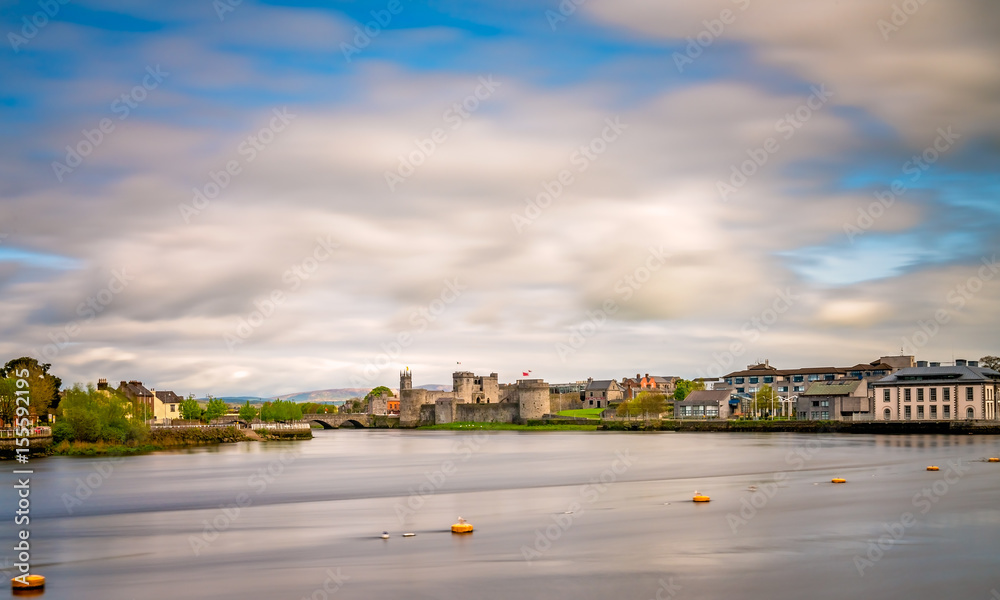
(920, 395)
(769, 379)
(814, 415)
(907, 413)
(824, 403)
(969, 413)
(739, 380)
(885, 396)
(933, 394)
(946, 394)
(740, 390)
(814, 378)
(815, 402)
(591, 400)
(755, 380)
(968, 393)
(906, 395)
(783, 388)
(797, 378)
(173, 408)
(828, 377)
(825, 415)
(933, 411)
(753, 389)
(729, 380)
(946, 411)
(920, 412)
(799, 388)
(887, 414)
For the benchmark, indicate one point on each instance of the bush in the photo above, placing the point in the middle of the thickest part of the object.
(62, 431)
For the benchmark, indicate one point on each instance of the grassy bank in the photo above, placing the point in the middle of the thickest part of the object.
(586, 413)
(158, 439)
(531, 426)
(868, 427)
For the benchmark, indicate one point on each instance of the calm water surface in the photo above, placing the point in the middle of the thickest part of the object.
(310, 515)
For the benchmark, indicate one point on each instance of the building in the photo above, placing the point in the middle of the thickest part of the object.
(838, 400)
(473, 398)
(654, 383)
(599, 393)
(167, 406)
(142, 399)
(930, 391)
(705, 404)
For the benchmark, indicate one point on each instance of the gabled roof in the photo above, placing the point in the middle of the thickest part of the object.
(705, 398)
(876, 366)
(169, 397)
(135, 388)
(842, 387)
(602, 384)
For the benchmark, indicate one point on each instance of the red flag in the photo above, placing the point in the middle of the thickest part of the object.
(525, 374)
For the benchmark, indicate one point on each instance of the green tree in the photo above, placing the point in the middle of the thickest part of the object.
(990, 361)
(650, 404)
(628, 408)
(8, 400)
(766, 401)
(91, 415)
(685, 387)
(379, 391)
(247, 412)
(190, 409)
(280, 410)
(44, 386)
(215, 409)
(354, 406)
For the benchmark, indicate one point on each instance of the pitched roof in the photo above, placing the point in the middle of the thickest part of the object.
(169, 397)
(941, 375)
(601, 384)
(135, 388)
(842, 387)
(705, 398)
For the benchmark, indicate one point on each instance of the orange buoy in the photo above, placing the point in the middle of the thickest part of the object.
(462, 526)
(933, 468)
(838, 480)
(995, 459)
(700, 497)
(27, 582)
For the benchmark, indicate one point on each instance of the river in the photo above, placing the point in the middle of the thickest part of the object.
(557, 515)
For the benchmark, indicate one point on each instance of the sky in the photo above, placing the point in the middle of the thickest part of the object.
(239, 197)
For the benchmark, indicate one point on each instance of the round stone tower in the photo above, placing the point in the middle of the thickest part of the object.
(461, 385)
(532, 398)
(409, 400)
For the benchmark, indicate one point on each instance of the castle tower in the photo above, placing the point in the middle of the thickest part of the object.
(532, 398)
(405, 380)
(462, 386)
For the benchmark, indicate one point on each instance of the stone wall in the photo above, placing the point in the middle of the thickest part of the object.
(426, 416)
(505, 412)
(444, 411)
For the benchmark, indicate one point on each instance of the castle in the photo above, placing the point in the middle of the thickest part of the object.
(474, 398)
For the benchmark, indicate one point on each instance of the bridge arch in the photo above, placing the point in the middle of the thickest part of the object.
(323, 423)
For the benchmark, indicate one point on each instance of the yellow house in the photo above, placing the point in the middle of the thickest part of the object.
(167, 406)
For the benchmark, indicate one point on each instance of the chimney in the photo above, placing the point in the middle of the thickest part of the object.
(961, 362)
(102, 384)
(647, 375)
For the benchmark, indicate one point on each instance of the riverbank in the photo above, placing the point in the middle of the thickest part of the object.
(530, 426)
(861, 427)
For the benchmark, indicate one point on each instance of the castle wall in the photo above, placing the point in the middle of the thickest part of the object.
(533, 398)
(444, 411)
(410, 401)
(426, 416)
(487, 413)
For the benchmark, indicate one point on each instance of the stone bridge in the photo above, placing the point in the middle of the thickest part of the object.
(355, 420)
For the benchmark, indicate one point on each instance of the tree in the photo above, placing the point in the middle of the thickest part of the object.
(93, 415)
(379, 391)
(248, 413)
(280, 410)
(44, 386)
(8, 400)
(628, 409)
(354, 406)
(766, 400)
(216, 408)
(990, 361)
(190, 410)
(650, 404)
(685, 387)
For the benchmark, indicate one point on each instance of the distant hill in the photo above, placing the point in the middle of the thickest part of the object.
(330, 396)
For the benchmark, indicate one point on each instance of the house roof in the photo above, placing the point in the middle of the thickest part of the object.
(876, 366)
(601, 384)
(842, 387)
(940, 375)
(705, 398)
(169, 397)
(135, 388)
